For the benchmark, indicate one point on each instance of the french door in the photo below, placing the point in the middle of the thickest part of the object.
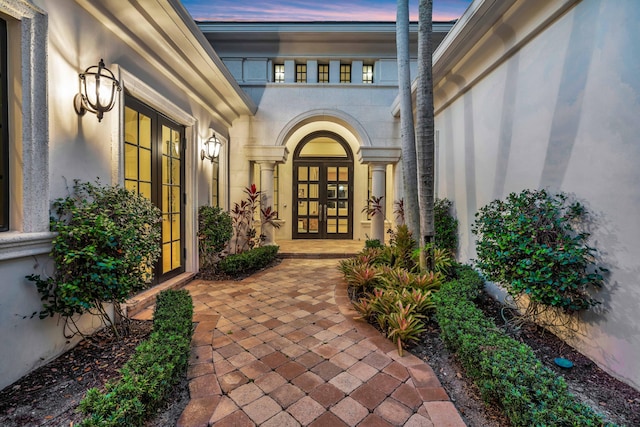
(154, 168)
(323, 200)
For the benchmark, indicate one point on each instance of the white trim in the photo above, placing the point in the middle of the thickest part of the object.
(19, 245)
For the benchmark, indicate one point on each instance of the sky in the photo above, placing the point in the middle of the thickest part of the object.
(307, 10)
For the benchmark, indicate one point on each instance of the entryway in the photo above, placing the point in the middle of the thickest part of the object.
(323, 188)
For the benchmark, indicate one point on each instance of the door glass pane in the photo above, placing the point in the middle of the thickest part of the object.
(313, 208)
(131, 126)
(313, 191)
(332, 190)
(331, 208)
(332, 174)
(145, 131)
(303, 191)
(131, 185)
(344, 174)
(303, 173)
(145, 189)
(313, 225)
(314, 173)
(145, 164)
(343, 208)
(175, 171)
(302, 225)
(175, 255)
(332, 225)
(166, 257)
(343, 226)
(343, 191)
(130, 161)
(175, 199)
(302, 208)
(166, 228)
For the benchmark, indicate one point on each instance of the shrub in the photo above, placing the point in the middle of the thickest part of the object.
(149, 376)
(251, 260)
(107, 244)
(531, 243)
(446, 226)
(214, 232)
(505, 370)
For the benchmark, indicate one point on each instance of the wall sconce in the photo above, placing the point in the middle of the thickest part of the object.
(211, 148)
(98, 87)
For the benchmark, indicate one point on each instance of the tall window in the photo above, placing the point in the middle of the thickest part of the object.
(215, 183)
(301, 73)
(323, 73)
(345, 73)
(4, 131)
(367, 74)
(278, 73)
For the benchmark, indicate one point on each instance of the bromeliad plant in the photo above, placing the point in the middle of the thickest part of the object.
(107, 244)
(387, 293)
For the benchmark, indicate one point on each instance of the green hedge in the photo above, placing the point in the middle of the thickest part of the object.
(250, 260)
(506, 371)
(151, 373)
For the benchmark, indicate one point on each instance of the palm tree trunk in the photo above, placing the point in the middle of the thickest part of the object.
(425, 146)
(407, 132)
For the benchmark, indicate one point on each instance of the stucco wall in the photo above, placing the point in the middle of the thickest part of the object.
(66, 146)
(561, 113)
(366, 107)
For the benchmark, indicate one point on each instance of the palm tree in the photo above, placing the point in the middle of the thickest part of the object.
(425, 128)
(407, 131)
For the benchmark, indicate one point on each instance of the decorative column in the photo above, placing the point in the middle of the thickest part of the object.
(266, 197)
(267, 156)
(379, 158)
(378, 179)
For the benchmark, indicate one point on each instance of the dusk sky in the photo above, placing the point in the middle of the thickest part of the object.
(306, 10)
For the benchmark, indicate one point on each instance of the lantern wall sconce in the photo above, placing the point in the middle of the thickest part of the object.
(211, 148)
(98, 88)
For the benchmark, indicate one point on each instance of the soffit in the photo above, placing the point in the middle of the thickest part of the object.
(163, 33)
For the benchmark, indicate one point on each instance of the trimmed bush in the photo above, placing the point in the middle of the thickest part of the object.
(446, 226)
(214, 232)
(251, 260)
(151, 373)
(506, 371)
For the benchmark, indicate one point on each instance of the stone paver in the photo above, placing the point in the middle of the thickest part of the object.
(282, 348)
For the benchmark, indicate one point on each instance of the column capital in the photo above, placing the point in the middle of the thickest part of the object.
(379, 155)
(267, 153)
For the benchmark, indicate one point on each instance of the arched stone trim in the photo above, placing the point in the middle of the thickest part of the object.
(334, 116)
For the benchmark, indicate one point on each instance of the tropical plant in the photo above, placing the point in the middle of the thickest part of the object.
(214, 232)
(446, 226)
(532, 243)
(107, 243)
(243, 220)
(374, 206)
(404, 326)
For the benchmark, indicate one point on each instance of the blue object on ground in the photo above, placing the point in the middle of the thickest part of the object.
(562, 362)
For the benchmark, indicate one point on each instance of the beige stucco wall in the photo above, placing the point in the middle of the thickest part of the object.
(556, 111)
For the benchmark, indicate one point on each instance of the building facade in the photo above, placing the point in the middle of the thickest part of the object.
(527, 95)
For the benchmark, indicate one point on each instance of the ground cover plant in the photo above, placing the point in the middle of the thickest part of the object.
(108, 240)
(149, 376)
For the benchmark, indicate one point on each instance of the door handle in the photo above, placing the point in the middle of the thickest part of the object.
(325, 213)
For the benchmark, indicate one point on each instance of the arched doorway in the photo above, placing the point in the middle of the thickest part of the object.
(323, 188)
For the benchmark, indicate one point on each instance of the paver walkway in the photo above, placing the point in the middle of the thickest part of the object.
(281, 348)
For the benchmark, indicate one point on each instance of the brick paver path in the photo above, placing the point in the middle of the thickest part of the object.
(281, 348)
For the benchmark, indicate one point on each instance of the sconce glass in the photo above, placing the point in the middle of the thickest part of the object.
(211, 148)
(98, 87)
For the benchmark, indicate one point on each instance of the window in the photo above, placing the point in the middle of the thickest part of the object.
(301, 73)
(278, 73)
(323, 73)
(367, 74)
(4, 131)
(215, 183)
(345, 73)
